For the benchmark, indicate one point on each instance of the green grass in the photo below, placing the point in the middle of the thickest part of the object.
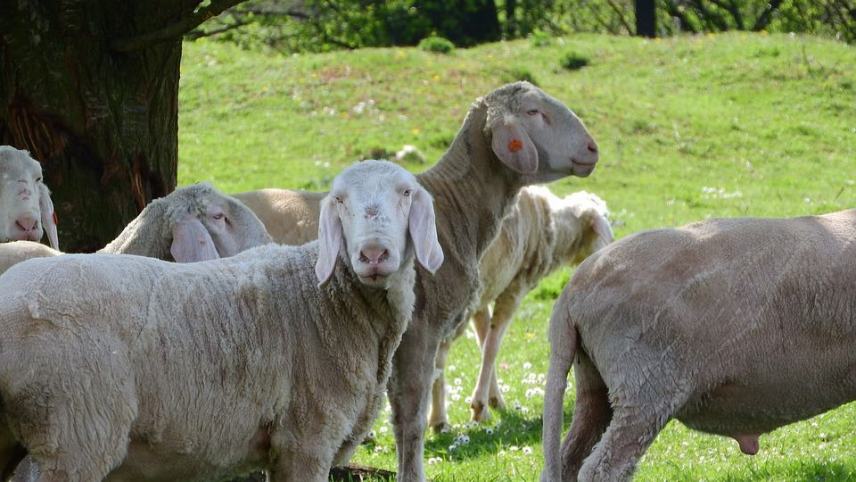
(689, 128)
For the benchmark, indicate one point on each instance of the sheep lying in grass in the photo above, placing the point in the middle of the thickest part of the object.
(733, 326)
(132, 368)
(26, 210)
(541, 233)
(514, 136)
(194, 223)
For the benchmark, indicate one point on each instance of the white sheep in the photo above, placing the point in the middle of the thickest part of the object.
(26, 210)
(733, 326)
(193, 223)
(514, 136)
(148, 370)
(541, 233)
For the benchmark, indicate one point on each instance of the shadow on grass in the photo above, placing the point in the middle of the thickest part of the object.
(516, 429)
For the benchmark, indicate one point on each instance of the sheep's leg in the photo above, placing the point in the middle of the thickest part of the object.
(408, 390)
(631, 431)
(438, 419)
(592, 414)
(503, 312)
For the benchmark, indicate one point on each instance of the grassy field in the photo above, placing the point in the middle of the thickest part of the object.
(715, 125)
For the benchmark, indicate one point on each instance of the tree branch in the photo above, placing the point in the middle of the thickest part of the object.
(620, 14)
(197, 34)
(175, 30)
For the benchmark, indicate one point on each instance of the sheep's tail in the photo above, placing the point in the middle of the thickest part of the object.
(563, 348)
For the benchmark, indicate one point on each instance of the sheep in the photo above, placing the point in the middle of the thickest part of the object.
(514, 136)
(193, 223)
(133, 368)
(291, 217)
(734, 327)
(26, 209)
(541, 233)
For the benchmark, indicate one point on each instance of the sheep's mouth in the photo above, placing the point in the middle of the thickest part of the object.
(374, 279)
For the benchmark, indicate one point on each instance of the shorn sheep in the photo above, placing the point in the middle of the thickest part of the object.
(541, 233)
(514, 136)
(734, 327)
(26, 210)
(193, 223)
(133, 368)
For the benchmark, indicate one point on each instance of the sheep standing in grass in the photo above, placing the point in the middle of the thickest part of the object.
(515, 136)
(733, 326)
(541, 233)
(26, 210)
(194, 223)
(136, 369)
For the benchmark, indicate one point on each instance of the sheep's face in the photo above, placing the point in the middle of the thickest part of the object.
(538, 136)
(375, 217)
(232, 226)
(27, 210)
(215, 226)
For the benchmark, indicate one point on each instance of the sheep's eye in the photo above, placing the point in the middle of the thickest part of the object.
(406, 192)
(532, 111)
(218, 216)
(339, 199)
(38, 179)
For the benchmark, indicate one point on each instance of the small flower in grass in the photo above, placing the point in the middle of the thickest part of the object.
(458, 381)
(517, 405)
(527, 366)
(378, 449)
(456, 396)
(527, 450)
(434, 460)
(453, 447)
(468, 400)
(462, 439)
(372, 434)
(489, 430)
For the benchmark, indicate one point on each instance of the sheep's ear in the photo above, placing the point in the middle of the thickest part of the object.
(48, 216)
(601, 226)
(423, 231)
(191, 241)
(513, 147)
(329, 240)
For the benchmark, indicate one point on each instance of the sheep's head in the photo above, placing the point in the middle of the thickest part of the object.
(375, 217)
(26, 210)
(537, 136)
(206, 224)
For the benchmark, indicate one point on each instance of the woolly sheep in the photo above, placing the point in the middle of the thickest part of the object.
(541, 233)
(148, 370)
(514, 136)
(734, 327)
(26, 210)
(194, 223)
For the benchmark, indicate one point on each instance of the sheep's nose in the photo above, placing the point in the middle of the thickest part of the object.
(26, 222)
(592, 147)
(373, 254)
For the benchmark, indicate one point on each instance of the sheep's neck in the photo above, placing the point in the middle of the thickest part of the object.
(471, 188)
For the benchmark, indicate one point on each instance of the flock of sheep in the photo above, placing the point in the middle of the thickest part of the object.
(216, 336)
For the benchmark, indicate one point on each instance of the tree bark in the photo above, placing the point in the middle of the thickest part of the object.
(646, 18)
(103, 124)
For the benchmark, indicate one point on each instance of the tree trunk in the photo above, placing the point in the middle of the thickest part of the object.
(646, 18)
(102, 123)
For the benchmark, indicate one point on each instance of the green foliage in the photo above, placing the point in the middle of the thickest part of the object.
(436, 44)
(573, 61)
(540, 38)
(689, 127)
(518, 73)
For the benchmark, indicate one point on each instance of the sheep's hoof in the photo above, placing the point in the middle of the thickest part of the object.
(441, 427)
(497, 402)
(480, 412)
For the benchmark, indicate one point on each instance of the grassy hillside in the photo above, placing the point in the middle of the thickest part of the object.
(716, 125)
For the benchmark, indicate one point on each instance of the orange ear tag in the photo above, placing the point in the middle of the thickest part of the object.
(515, 145)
